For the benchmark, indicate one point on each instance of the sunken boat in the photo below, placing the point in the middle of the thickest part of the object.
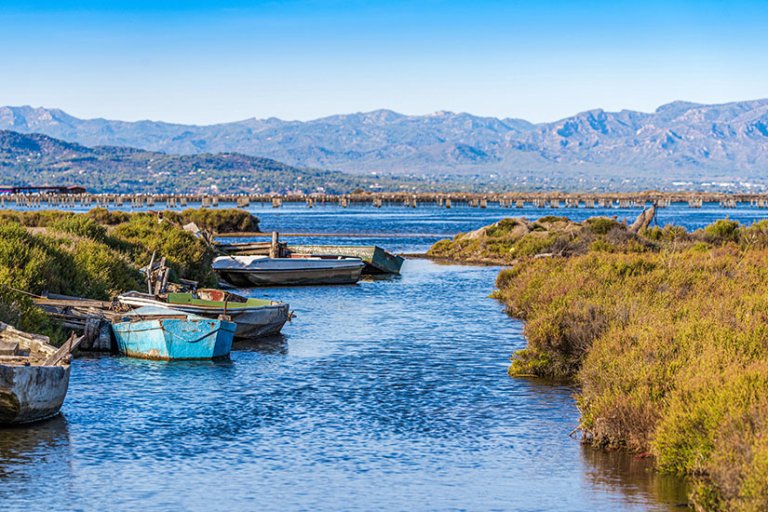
(34, 376)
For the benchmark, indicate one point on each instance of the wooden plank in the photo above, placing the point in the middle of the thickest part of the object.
(8, 348)
(170, 316)
(77, 303)
(65, 350)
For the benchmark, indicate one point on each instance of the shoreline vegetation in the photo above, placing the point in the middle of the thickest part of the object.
(665, 331)
(99, 254)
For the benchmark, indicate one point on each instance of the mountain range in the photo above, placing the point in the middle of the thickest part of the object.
(35, 159)
(680, 140)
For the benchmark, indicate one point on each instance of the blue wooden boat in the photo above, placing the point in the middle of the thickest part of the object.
(162, 333)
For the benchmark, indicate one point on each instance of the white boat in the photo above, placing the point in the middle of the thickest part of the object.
(247, 271)
(255, 318)
(34, 376)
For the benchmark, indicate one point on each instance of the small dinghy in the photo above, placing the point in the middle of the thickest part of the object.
(247, 271)
(167, 334)
(254, 317)
(34, 376)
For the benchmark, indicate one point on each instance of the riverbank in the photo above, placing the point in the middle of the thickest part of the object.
(664, 331)
(98, 254)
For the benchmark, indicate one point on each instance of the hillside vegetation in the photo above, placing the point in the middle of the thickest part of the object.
(34, 159)
(666, 333)
(97, 255)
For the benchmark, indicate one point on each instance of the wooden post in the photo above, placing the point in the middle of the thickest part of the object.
(149, 273)
(274, 249)
(159, 278)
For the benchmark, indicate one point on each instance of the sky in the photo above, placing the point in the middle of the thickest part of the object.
(205, 62)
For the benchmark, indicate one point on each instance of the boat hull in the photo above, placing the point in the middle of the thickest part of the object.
(175, 339)
(245, 278)
(31, 393)
(252, 322)
(377, 260)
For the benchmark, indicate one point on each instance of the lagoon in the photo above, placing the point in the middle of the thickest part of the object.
(388, 395)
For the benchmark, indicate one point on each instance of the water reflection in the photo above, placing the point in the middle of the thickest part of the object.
(271, 345)
(28, 444)
(635, 477)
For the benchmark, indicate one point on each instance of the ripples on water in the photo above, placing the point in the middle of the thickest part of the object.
(388, 395)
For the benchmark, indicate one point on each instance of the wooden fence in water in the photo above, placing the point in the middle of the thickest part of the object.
(552, 200)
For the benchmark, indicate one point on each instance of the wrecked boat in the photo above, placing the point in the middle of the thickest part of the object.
(248, 271)
(34, 376)
(255, 318)
(161, 333)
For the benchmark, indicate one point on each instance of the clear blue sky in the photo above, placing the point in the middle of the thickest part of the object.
(201, 61)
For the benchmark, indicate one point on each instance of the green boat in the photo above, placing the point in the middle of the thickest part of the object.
(254, 317)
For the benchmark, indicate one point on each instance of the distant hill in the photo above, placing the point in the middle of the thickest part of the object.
(39, 160)
(678, 141)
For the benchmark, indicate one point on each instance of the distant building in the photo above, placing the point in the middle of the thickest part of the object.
(70, 189)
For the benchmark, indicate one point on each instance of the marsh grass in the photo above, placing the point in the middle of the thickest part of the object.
(666, 334)
(224, 220)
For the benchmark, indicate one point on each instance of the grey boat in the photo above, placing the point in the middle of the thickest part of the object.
(248, 271)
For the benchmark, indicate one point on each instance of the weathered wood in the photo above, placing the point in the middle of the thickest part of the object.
(64, 351)
(80, 303)
(8, 348)
(643, 220)
(274, 249)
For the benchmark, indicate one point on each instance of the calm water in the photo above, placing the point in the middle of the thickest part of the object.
(388, 395)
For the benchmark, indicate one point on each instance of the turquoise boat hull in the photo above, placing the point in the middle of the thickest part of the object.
(175, 339)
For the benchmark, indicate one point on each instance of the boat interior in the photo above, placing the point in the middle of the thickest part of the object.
(18, 348)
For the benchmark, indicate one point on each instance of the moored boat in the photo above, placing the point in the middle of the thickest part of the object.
(34, 376)
(161, 333)
(254, 317)
(247, 271)
(377, 260)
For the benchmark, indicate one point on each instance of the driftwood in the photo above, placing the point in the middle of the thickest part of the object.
(643, 220)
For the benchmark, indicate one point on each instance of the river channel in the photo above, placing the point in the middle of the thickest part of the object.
(391, 394)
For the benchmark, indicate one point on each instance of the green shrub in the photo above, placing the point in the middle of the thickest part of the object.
(668, 233)
(221, 220)
(602, 225)
(185, 254)
(502, 228)
(532, 244)
(81, 225)
(722, 231)
(109, 217)
(550, 219)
